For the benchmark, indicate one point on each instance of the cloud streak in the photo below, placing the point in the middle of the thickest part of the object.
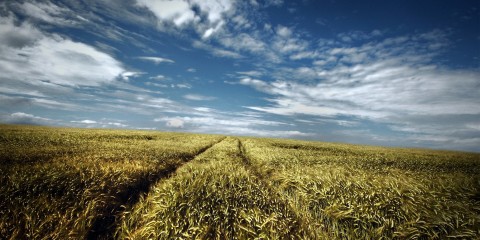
(197, 97)
(156, 60)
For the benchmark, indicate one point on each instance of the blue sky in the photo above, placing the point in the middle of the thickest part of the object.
(394, 73)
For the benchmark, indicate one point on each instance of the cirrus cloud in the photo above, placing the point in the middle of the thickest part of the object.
(197, 97)
(156, 60)
(392, 82)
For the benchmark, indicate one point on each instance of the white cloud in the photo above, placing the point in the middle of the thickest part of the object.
(284, 32)
(241, 22)
(226, 53)
(48, 12)
(203, 109)
(25, 118)
(158, 77)
(106, 47)
(208, 33)
(175, 123)
(289, 107)
(179, 85)
(277, 3)
(234, 126)
(25, 50)
(257, 84)
(374, 92)
(215, 11)
(245, 131)
(243, 42)
(101, 124)
(156, 60)
(182, 85)
(50, 71)
(359, 35)
(192, 70)
(216, 51)
(176, 11)
(303, 55)
(285, 42)
(271, 45)
(475, 126)
(251, 73)
(88, 121)
(156, 84)
(116, 124)
(238, 125)
(207, 21)
(40, 10)
(212, 119)
(54, 104)
(197, 97)
(214, 8)
(306, 73)
(392, 81)
(127, 75)
(17, 37)
(344, 123)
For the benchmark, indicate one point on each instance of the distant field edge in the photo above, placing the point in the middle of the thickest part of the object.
(307, 141)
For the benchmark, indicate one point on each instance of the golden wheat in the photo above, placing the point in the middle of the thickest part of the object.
(61, 183)
(69, 183)
(360, 192)
(215, 196)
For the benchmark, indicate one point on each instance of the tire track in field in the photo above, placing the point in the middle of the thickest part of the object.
(275, 194)
(104, 226)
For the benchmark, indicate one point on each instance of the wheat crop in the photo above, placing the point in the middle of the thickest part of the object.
(70, 183)
(63, 183)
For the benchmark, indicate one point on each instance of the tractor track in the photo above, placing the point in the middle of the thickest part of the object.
(300, 222)
(104, 226)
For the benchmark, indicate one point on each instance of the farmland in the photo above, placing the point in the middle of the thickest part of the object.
(102, 184)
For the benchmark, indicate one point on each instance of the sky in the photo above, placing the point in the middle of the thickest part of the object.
(379, 72)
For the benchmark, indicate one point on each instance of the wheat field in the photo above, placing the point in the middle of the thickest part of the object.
(64, 183)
